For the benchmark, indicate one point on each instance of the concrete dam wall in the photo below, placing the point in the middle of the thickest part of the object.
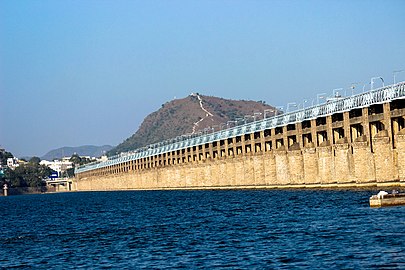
(351, 142)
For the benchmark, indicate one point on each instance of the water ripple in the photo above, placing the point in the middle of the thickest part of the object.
(201, 229)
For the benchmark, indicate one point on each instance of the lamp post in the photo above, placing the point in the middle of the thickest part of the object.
(247, 117)
(336, 92)
(265, 112)
(228, 124)
(372, 81)
(303, 103)
(280, 108)
(364, 87)
(352, 86)
(395, 72)
(237, 120)
(291, 104)
(320, 96)
(256, 114)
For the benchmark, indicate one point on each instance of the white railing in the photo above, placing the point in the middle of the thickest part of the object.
(377, 96)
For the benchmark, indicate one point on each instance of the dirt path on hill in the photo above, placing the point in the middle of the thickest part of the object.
(207, 113)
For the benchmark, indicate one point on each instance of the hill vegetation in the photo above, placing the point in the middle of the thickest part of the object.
(189, 115)
(85, 150)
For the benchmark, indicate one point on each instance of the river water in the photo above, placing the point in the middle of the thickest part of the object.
(201, 229)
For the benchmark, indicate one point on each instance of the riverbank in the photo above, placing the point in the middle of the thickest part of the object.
(326, 187)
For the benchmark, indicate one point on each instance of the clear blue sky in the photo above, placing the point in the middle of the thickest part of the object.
(88, 72)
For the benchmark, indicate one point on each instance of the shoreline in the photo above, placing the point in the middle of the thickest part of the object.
(345, 186)
(326, 187)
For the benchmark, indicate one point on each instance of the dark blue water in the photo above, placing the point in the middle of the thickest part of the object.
(201, 229)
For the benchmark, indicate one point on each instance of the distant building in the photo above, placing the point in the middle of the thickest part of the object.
(12, 163)
(59, 166)
(102, 159)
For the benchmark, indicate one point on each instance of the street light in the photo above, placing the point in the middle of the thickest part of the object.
(237, 120)
(280, 108)
(291, 104)
(228, 124)
(336, 92)
(256, 114)
(353, 86)
(395, 72)
(320, 96)
(303, 103)
(364, 86)
(372, 81)
(247, 117)
(265, 112)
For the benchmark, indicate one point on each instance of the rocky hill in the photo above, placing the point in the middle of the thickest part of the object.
(189, 115)
(85, 150)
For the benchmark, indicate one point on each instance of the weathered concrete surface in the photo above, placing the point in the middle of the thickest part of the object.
(387, 200)
(342, 151)
(400, 151)
(310, 167)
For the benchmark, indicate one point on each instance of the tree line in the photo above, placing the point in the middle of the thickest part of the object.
(31, 173)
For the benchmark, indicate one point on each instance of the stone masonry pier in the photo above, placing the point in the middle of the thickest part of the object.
(347, 142)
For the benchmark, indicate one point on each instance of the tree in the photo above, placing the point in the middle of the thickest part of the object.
(36, 160)
(28, 175)
(77, 160)
(4, 155)
(70, 172)
(15, 179)
(3, 179)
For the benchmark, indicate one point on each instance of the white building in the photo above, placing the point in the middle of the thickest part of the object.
(60, 166)
(102, 159)
(12, 163)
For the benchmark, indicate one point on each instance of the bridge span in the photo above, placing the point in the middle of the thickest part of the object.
(346, 142)
(60, 184)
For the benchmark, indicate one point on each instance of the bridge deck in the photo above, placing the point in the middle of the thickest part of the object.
(345, 104)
